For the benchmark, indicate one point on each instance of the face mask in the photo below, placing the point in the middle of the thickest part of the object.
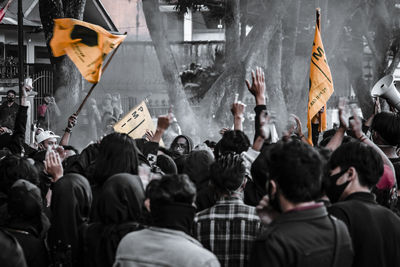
(334, 191)
(10, 99)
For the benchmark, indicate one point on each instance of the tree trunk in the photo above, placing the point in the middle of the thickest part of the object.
(67, 78)
(169, 69)
(232, 31)
(232, 48)
(276, 101)
(213, 97)
(289, 52)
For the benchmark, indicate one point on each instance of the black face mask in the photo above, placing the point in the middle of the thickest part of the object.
(10, 99)
(334, 191)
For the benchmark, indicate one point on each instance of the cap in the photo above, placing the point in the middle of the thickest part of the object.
(45, 135)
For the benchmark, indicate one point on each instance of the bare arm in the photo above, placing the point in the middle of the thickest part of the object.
(163, 123)
(337, 139)
(67, 133)
(237, 112)
(257, 89)
(356, 127)
(299, 130)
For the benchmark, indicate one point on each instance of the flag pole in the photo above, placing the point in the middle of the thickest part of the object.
(318, 17)
(94, 85)
(21, 58)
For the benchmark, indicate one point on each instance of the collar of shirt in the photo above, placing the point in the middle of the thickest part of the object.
(230, 200)
(312, 212)
(362, 196)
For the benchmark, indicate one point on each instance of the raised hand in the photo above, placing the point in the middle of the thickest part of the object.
(341, 108)
(257, 88)
(163, 122)
(72, 121)
(356, 124)
(53, 165)
(237, 109)
(149, 135)
(223, 130)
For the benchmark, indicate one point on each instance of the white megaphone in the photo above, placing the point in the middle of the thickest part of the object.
(386, 89)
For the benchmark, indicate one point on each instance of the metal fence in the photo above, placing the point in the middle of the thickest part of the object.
(43, 84)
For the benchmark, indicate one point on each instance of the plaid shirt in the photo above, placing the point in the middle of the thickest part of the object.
(228, 229)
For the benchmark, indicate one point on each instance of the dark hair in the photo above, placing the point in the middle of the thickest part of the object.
(197, 167)
(232, 141)
(166, 164)
(228, 172)
(11, 91)
(367, 162)
(117, 154)
(387, 124)
(171, 189)
(297, 168)
(210, 144)
(13, 168)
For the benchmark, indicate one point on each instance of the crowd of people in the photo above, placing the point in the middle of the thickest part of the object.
(233, 202)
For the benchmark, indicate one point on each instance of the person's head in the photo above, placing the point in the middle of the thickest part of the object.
(232, 141)
(25, 204)
(47, 99)
(92, 102)
(121, 199)
(353, 167)
(181, 145)
(295, 172)
(117, 154)
(170, 201)
(70, 208)
(169, 190)
(107, 100)
(210, 144)
(386, 128)
(46, 140)
(11, 96)
(13, 168)
(197, 167)
(166, 164)
(228, 174)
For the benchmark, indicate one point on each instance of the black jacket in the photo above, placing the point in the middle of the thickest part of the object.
(374, 229)
(303, 238)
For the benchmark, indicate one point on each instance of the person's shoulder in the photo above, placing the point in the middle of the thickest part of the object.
(204, 214)
(196, 250)
(130, 239)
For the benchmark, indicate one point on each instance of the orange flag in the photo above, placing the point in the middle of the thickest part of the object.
(86, 45)
(321, 86)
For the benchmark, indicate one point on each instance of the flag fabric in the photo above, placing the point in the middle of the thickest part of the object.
(3, 10)
(321, 86)
(86, 45)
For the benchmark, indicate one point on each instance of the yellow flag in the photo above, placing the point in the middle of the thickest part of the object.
(86, 45)
(321, 86)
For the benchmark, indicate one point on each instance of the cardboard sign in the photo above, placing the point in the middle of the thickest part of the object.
(136, 122)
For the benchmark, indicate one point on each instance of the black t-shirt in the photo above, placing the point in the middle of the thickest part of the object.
(8, 115)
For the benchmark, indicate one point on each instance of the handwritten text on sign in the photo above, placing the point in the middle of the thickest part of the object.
(136, 122)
